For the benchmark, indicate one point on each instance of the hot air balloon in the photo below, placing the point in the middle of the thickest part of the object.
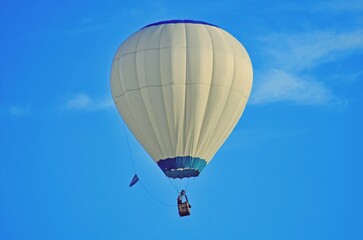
(181, 87)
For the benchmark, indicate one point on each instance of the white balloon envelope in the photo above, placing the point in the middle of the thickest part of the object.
(181, 87)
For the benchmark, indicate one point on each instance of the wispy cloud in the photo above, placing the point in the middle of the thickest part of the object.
(289, 59)
(332, 7)
(308, 50)
(20, 111)
(82, 101)
(339, 6)
(277, 85)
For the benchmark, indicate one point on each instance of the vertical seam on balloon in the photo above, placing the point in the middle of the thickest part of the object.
(202, 149)
(160, 140)
(131, 109)
(155, 144)
(192, 135)
(137, 78)
(245, 56)
(186, 136)
(211, 136)
(162, 92)
(189, 143)
(196, 135)
(157, 128)
(210, 132)
(185, 91)
(220, 142)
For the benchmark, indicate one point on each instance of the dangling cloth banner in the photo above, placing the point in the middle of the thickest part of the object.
(134, 180)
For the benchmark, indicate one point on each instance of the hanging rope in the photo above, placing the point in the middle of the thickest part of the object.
(186, 188)
(176, 189)
(156, 199)
(133, 166)
(128, 146)
(190, 184)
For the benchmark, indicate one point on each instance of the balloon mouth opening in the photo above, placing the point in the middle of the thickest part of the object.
(183, 173)
(182, 167)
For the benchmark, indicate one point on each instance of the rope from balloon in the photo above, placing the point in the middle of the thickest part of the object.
(140, 181)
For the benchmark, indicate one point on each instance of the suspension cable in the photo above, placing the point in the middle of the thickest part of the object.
(133, 165)
(190, 184)
(171, 182)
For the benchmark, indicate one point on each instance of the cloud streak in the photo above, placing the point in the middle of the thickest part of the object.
(289, 59)
(82, 101)
(304, 51)
(339, 6)
(20, 111)
(278, 85)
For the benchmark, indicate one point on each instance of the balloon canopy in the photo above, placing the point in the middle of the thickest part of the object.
(181, 87)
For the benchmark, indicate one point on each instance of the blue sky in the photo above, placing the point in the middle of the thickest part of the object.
(291, 169)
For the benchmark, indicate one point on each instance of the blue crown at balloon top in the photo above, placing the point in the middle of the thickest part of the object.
(179, 21)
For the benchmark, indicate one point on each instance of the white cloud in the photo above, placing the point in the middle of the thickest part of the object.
(82, 101)
(308, 50)
(332, 7)
(338, 6)
(277, 85)
(290, 57)
(20, 111)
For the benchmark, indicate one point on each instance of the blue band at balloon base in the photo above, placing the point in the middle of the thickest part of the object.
(182, 167)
